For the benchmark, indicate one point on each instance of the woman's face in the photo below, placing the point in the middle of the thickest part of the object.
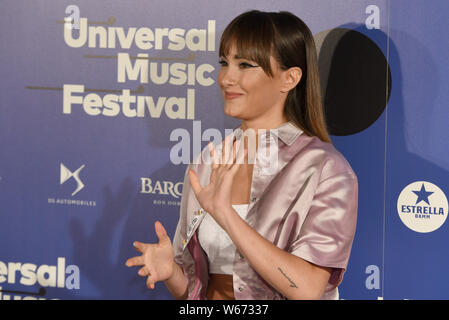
(249, 93)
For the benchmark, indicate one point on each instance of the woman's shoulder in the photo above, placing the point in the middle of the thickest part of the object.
(325, 155)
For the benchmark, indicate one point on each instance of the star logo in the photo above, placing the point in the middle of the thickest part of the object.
(423, 195)
(416, 211)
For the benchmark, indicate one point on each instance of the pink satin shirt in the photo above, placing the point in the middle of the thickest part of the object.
(306, 206)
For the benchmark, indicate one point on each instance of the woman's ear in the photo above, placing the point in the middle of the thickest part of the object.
(290, 78)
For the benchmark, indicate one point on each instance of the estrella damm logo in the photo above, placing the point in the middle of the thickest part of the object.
(422, 206)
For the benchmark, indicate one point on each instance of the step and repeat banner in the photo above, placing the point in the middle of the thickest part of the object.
(93, 112)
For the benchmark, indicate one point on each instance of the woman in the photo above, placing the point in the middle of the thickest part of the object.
(249, 233)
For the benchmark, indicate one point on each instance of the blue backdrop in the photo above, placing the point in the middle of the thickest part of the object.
(86, 116)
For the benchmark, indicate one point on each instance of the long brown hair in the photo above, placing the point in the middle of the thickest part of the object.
(257, 35)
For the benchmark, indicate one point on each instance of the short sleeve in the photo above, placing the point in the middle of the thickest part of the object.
(327, 233)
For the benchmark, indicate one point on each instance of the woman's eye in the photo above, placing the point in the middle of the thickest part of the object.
(245, 65)
(242, 65)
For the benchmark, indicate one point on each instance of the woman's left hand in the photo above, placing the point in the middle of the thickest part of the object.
(215, 198)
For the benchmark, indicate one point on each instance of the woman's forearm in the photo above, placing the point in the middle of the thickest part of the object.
(177, 283)
(290, 275)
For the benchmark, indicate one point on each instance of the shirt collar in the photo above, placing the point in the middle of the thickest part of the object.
(287, 132)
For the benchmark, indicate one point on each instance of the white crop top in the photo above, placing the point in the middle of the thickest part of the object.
(216, 243)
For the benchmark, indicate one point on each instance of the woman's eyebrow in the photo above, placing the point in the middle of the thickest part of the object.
(236, 56)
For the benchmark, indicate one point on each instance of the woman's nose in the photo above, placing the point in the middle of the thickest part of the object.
(228, 76)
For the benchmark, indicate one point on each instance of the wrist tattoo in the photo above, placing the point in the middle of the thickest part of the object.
(292, 284)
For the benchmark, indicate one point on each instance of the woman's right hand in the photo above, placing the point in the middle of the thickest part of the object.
(157, 259)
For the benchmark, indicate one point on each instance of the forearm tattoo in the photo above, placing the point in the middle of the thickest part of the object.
(292, 284)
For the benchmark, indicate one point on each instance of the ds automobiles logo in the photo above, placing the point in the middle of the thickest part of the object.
(66, 174)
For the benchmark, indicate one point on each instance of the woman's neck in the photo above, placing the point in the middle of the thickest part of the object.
(262, 124)
(259, 127)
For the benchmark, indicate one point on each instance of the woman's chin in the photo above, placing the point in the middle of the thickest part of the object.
(231, 112)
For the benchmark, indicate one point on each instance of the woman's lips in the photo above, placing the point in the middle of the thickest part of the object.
(232, 95)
